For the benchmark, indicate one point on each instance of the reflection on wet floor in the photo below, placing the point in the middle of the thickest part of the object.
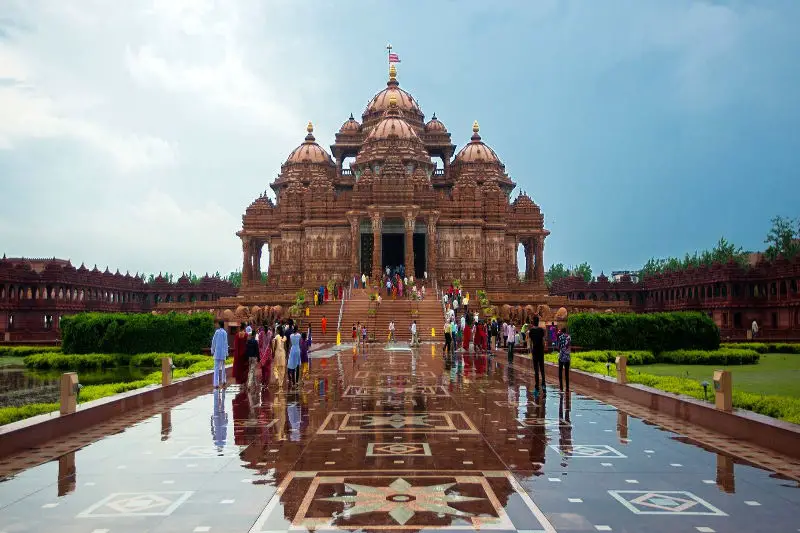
(397, 440)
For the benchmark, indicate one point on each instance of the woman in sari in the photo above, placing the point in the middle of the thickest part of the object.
(265, 353)
(467, 334)
(279, 358)
(240, 363)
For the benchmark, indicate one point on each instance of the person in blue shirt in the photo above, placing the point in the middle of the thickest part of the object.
(219, 350)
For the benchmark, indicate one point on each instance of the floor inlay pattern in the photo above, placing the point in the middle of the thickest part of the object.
(407, 440)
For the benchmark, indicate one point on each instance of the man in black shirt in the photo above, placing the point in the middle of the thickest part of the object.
(537, 349)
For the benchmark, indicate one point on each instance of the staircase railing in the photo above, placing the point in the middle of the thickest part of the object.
(341, 310)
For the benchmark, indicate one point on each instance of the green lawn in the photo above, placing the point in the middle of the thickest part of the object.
(11, 361)
(774, 374)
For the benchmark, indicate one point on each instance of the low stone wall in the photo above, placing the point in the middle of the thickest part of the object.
(783, 437)
(34, 431)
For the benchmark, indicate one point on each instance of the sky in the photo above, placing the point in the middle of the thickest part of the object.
(134, 134)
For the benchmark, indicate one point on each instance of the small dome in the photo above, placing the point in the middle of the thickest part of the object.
(434, 125)
(350, 127)
(380, 102)
(477, 151)
(310, 151)
(392, 126)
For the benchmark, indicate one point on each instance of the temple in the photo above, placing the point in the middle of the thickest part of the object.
(393, 191)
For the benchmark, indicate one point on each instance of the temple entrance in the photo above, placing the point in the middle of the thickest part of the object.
(366, 253)
(420, 254)
(392, 250)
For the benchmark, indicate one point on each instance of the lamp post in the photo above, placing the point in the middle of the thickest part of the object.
(705, 389)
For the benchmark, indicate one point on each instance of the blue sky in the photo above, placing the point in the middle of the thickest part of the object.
(136, 133)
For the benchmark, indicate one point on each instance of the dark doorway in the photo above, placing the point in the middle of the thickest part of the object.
(419, 255)
(392, 250)
(737, 320)
(366, 253)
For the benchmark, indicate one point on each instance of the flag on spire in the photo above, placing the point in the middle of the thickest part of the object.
(394, 58)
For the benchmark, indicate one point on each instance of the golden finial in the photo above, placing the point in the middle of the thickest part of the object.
(392, 72)
(310, 127)
(392, 101)
(475, 127)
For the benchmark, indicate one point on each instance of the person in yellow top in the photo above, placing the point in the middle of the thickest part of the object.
(316, 298)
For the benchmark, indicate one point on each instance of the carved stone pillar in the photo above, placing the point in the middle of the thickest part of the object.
(529, 254)
(246, 262)
(540, 260)
(257, 262)
(355, 256)
(410, 220)
(377, 227)
(430, 265)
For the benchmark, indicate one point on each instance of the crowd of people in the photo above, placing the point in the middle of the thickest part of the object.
(263, 354)
(465, 331)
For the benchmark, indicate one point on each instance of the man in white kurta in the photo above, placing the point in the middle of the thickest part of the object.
(219, 350)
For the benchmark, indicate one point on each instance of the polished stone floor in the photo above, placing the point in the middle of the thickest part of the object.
(395, 440)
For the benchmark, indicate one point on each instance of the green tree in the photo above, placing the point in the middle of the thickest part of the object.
(235, 278)
(556, 271)
(783, 238)
(583, 270)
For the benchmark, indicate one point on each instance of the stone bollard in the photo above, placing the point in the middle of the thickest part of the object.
(622, 369)
(69, 393)
(166, 371)
(723, 390)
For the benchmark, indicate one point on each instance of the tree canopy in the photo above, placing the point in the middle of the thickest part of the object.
(558, 271)
(783, 238)
(722, 252)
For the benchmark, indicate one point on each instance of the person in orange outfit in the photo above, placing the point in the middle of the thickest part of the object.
(324, 324)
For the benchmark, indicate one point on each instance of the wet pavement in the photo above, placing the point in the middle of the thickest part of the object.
(398, 440)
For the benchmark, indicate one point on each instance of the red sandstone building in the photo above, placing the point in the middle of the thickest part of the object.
(393, 206)
(36, 293)
(734, 296)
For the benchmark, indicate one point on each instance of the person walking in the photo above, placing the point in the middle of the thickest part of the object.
(239, 357)
(448, 338)
(537, 336)
(293, 363)
(391, 331)
(467, 333)
(355, 333)
(279, 357)
(512, 340)
(252, 353)
(414, 338)
(324, 323)
(219, 350)
(265, 352)
(564, 357)
(303, 356)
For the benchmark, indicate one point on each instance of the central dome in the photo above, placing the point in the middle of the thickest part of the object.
(406, 103)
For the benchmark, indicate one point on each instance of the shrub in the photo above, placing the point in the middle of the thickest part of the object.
(14, 414)
(723, 356)
(136, 333)
(765, 347)
(22, 351)
(90, 361)
(608, 356)
(656, 332)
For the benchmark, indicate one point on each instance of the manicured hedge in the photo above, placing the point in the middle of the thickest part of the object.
(136, 333)
(635, 357)
(656, 332)
(92, 361)
(765, 347)
(22, 351)
(723, 356)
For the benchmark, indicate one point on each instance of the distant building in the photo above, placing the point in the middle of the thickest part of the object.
(733, 295)
(617, 275)
(36, 293)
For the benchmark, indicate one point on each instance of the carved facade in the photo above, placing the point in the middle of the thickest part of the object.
(392, 206)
